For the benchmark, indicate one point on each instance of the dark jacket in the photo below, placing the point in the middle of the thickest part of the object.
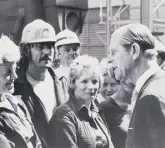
(147, 126)
(71, 127)
(114, 117)
(14, 119)
(34, 104)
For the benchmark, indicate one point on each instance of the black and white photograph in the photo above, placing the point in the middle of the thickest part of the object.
(82, 73)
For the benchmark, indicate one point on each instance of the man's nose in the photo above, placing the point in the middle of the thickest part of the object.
(46, 50)
(110, 58)
(14, 75)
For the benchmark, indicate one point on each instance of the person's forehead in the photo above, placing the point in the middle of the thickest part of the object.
(89, 74)
(109, 79)
(7, 65)
(115, 40)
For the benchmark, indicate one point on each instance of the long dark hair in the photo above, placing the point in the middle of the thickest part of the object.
(25, 58)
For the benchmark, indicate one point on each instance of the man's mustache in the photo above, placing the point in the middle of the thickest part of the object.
(45, 58)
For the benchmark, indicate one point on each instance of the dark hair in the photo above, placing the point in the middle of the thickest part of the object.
(25, 56)
(140, 34)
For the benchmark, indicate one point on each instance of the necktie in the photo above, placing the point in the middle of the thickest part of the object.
(134, 98)
(127, 117)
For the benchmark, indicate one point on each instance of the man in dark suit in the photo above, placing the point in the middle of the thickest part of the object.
(133, 57)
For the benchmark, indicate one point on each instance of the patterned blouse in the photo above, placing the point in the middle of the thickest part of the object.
(75, 126)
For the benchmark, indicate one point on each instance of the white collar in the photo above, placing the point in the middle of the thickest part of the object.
(100, 98)
(143, 78)
(62, 71)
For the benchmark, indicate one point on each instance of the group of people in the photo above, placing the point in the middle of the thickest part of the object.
(51, 96)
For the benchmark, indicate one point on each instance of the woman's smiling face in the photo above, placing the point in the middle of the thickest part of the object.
(110, 86)
(86, 86)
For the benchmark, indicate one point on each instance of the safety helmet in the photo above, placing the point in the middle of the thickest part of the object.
(38, 31)
(66, 37)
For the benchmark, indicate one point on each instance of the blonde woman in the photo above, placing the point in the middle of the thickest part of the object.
(77, 123)
(117, 97)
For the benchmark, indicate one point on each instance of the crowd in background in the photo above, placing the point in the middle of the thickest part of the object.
(51, 96)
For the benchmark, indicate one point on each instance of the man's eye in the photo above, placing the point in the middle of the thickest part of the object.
(67, 50)
(75, 49)
(105, 84)
(84, 81)
(50, 46)
(95, 81)
(41, 46)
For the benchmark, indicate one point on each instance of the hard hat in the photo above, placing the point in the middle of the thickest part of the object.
(38, 31)
(66, 37)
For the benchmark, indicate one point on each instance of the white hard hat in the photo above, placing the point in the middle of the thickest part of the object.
(38, 31)
(66, 37)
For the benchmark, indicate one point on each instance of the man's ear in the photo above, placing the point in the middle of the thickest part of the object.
(135, 51)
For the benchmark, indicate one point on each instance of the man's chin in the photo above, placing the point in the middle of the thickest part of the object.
(118, 75)
(70, 62)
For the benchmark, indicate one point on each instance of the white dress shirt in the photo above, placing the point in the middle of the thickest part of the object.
(143, 78)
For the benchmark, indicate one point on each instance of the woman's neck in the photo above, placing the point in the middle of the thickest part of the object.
(80, 103)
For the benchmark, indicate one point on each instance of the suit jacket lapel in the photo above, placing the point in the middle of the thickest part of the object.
(155, 76)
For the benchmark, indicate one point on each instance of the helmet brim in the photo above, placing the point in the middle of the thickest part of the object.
(40, 40)
(67, 41)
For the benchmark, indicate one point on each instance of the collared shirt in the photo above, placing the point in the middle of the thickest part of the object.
(84, 125)
(78, 106)
(90, 115)
(62, 71)
(140, 82)
(100, 98)
(143, 78)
